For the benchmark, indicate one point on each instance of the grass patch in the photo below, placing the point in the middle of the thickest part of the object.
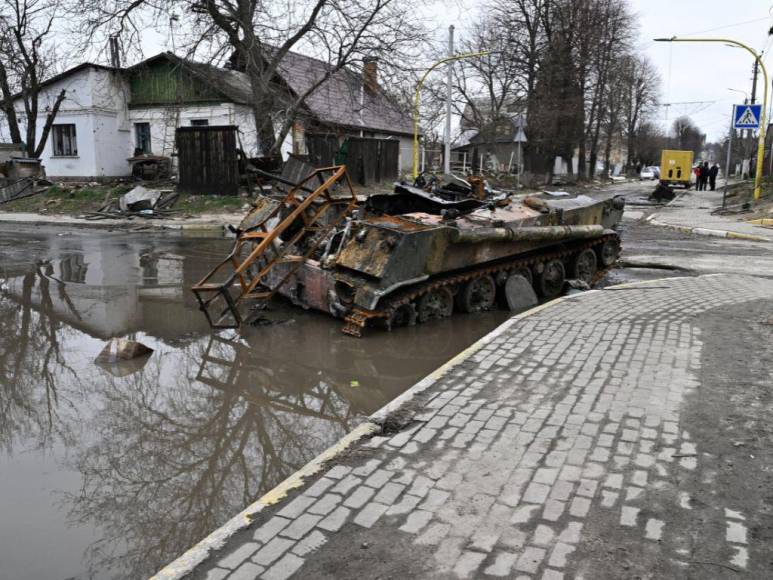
(64, 200)
(199, 204)
(74, 201)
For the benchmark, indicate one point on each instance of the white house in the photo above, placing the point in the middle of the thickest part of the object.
(109, 114)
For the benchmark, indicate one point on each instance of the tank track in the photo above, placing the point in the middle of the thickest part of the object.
(358, 318)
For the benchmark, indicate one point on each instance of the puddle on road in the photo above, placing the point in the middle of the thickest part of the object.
(110, 473)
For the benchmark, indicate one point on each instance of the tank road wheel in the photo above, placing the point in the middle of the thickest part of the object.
(404, 315)
(526, 273)
(550, 281)
(608, 252)
(477, 295)
(438, 303)
(584, 266)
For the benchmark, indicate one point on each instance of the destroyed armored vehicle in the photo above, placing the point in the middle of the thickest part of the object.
(410, 256)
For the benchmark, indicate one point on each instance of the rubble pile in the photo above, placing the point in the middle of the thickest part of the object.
(139, 202)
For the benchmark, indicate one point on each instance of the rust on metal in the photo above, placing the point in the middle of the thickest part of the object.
(298, 216)
(417, 254)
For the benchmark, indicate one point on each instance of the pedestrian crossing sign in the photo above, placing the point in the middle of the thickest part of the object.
(746, 116)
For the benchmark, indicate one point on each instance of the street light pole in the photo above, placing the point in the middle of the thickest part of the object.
(416, 102)
(449, 82)
(758, 59)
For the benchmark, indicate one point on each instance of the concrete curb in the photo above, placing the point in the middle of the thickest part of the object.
(194, 556)
(708, 232)
(128, 226)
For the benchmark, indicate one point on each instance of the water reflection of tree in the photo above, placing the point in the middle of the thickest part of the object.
(173, 458)
(31, 362)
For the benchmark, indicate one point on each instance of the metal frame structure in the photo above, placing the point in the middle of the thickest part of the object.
(239, 274)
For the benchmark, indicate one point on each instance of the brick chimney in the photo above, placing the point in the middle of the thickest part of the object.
(370, 73)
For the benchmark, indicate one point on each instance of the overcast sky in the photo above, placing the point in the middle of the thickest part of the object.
(689, 72)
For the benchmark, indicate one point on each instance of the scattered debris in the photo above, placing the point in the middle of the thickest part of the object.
(139, 202)
(17, 189)
(19, 176)
(577, 286)
(118, 349)
(150, 166)
(663, 192)
(138, 199)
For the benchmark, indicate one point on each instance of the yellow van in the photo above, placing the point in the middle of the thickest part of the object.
(676, 168)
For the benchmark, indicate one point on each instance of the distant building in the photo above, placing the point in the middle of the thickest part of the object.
(488, 139)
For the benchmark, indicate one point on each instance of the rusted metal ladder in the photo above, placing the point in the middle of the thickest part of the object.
(237, 278)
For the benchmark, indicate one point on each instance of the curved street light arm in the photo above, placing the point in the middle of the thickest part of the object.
(758, 58)
(417, 97)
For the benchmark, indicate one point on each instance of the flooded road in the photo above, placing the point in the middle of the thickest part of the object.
(110, 472)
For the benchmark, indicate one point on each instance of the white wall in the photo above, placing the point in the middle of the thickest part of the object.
(245, 120)
(97, 104)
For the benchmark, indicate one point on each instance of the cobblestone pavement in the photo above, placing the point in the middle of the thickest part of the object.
(561, 449)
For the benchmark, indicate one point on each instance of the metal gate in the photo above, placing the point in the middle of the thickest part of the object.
(207, 160)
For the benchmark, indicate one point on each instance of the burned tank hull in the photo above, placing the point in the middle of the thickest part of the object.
(413, 256)
(403, 269)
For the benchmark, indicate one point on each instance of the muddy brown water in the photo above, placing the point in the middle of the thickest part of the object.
(111, 472)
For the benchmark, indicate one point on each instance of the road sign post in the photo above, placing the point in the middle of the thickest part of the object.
(760, 116)
(746, 116)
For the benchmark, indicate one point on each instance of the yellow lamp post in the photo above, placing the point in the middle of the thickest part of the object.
(761, 143)
(416, 103)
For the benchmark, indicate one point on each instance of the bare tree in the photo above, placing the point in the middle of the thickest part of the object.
(613, 32)
(650, 142)
(26, 58)
(489, 88)
(259, 35)
(688, 136)
(639, 83)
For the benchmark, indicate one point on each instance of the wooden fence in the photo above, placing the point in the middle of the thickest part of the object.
(207, 159)
(367, 160)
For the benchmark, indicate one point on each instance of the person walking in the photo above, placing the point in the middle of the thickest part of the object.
(697, 171)
(713, 172)
(701, 176)
(705, 174)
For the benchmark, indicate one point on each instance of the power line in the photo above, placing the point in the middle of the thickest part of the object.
(726, 26)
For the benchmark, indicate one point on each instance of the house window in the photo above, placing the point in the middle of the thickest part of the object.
(142, 137)
(199, 122)
(65, 144)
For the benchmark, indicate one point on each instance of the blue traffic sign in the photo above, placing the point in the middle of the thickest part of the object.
(746, 116)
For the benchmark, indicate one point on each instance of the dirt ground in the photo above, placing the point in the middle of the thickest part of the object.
(77, 199)
(729, 416)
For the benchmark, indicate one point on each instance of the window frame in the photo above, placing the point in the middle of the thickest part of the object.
(199, 123)
(144, 125)
(64, 140)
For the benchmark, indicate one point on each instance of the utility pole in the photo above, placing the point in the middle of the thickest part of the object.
(749, 132)
(447, 152)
